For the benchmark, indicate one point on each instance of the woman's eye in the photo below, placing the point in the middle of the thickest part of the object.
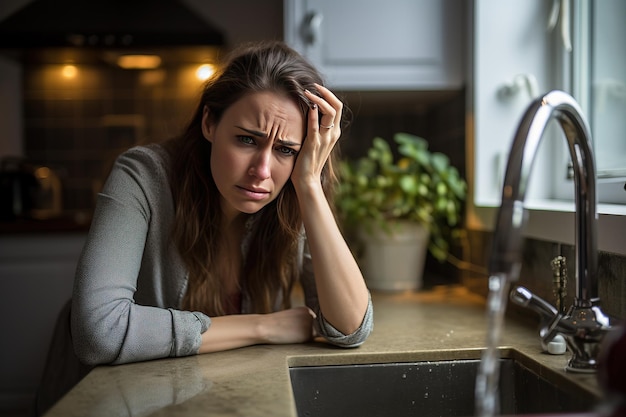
(287, 151)
(248, 140)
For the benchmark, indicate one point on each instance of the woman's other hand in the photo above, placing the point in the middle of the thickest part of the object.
(294, 325)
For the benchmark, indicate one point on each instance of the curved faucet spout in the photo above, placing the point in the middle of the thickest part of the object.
(508, 239)
(584, 325)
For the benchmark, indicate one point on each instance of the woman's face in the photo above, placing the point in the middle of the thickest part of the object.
(254, 149)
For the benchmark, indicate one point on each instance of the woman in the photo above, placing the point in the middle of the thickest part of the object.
(196, 244)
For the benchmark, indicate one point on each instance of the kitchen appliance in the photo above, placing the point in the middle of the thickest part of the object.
(49, 195)
(29, 191)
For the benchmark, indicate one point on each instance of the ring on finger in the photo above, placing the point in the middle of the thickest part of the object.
(328, 127)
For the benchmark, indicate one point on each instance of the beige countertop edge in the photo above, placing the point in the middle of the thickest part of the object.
(438, 324)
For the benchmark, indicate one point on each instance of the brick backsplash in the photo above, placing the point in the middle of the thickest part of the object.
(78, 125)
(537, 275)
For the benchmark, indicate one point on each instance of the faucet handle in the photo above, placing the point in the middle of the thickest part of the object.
(523, 297)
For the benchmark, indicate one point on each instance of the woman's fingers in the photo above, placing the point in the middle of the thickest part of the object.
(329, 109)
(336, 106)
(323, 132)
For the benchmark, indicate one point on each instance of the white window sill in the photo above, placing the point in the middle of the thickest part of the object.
(554, 221)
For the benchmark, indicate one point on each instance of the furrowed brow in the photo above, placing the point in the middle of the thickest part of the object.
(253, 132)
(258, 133)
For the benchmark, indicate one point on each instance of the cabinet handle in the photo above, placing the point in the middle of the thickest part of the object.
(561, 7)
(519, 83)
(311, 27)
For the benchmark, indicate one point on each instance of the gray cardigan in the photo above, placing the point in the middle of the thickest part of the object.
(130, 279)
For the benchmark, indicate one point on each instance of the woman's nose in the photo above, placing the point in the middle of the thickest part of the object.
(260, 166)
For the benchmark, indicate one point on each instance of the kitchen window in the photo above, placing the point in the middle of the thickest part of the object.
(597, 79)
(515, 56)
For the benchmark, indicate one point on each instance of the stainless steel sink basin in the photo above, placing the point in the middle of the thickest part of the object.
(443, 386)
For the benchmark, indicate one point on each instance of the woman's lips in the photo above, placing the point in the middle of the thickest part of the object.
(254, 193)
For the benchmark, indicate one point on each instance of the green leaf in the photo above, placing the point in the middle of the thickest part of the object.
(409, 184)
(440, 162)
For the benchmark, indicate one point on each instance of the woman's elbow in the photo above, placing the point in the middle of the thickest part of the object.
(93, 342)
(94, 350)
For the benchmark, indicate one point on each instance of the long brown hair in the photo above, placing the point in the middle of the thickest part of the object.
(270, 267)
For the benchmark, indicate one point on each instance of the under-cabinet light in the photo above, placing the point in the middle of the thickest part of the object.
(69, 71)
(139, 61)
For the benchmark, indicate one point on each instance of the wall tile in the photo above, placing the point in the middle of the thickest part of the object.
(79, 125)
(537, 275)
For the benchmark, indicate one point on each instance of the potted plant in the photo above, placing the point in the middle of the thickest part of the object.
(415, 197)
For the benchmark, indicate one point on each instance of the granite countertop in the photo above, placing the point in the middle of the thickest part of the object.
(254, 381)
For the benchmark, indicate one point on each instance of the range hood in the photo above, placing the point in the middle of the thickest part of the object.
(93, 26)
(106, 23)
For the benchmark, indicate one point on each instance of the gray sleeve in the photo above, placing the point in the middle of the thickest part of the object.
(108, 327)
(323, 327)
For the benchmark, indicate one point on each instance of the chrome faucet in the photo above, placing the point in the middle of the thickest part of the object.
(584, 324)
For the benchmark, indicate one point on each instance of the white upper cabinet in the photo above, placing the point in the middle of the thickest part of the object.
(381, 45)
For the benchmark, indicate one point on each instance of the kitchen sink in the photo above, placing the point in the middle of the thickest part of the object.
(443, 386)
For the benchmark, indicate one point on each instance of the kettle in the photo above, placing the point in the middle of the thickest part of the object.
(48, 203)
(18, 188)
(28, 191)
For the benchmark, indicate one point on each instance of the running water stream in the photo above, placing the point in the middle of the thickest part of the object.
(487, 395)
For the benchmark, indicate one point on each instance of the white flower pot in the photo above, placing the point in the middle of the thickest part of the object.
(394, 262)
